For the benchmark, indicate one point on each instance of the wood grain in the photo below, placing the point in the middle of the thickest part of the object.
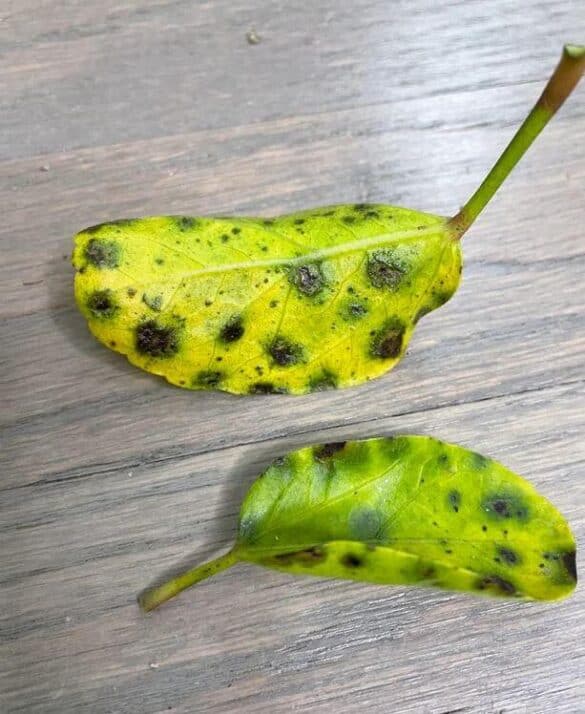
(111, 477)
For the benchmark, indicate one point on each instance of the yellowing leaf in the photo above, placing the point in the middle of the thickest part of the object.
(403, 510)
(315, 300)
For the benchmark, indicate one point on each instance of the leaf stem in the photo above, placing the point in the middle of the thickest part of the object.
(153, 597)
(562, 82)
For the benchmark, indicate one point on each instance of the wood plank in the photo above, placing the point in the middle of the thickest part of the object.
(110, 477)
(310, 643)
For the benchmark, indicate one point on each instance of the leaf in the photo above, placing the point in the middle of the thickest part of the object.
(308, 301)
(403, 510)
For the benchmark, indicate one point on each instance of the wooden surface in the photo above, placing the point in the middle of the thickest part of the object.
(110, 477)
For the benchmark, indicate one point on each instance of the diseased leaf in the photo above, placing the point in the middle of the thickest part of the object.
(315, 300)
(403, 510)
(309, 301)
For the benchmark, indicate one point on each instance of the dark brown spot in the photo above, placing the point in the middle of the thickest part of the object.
(267, 388)
(299, 221)
(308, 279)
(349, 219)
(385, 269)
(503, 506)
(273, 303)
(159, 261)
(232, 330)
(102, 304)
(351, 560)
(306, 557)
(103, 253)
(387, 342)
(508, 556)
(185, 223)
(156, 340)
(224, 237)
(131, 292)
(497, 585)
(208, 379)
(285, 353)
(326, 451)
(322, 382)
(454, 499)
(570, 562)
(236, 231)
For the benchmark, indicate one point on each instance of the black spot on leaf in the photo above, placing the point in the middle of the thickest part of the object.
(306, 557)
(569, 561)
(267, 388)
(508, 556)
(185, 223)
(478, 461)
(103, 253)
(351, 560)
(326, 451)
(497, 585)
(349, 219)
(157, 340)
(385, 269)
(208, 378)
(454, 499)
(322, 382)
(387, 342)
(308, 279)
(285, 353)
(232, 330)
(505, 506)
(102, 304)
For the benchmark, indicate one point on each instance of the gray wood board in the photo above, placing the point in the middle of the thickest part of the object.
(110, 477)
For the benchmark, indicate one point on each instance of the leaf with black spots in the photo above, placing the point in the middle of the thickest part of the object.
(335, 290)
(408, 510)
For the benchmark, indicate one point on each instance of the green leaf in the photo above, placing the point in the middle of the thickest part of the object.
(403, 510)
(309, 301)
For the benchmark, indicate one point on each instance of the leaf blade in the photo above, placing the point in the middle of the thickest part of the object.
(329, 307)
(435, 515)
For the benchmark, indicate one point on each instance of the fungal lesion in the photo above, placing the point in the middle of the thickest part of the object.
(354, 309)
(326, 451)
(102, 254)
(503, 506)
(154, 302)
(307, 557)
(351, 560)
(496, 585)
(387, 342)
(266, 388)
(507, 556)
(232, 330)
(454, 500)
(385, 269)
(323, 381)
(308, 279)
(208, 379)
(102, 304)
(155, 339)
(284, 352)
(185, 223)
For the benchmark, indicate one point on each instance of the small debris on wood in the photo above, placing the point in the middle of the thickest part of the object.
(45, 167)
(253, 37)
